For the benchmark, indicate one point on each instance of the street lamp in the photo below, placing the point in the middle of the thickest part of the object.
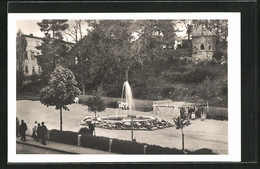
(132, 126)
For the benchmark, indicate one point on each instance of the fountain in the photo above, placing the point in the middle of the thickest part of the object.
(126, 118)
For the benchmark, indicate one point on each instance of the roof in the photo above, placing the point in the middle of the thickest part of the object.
(35, 37)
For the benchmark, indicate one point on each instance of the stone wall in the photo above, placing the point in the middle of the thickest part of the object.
(203, 47)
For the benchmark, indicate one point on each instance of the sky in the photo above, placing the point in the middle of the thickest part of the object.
(30, 27)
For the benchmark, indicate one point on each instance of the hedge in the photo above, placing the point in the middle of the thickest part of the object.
(118, 146)
(154, 149)
(127, 147)
(67, 137)
(95, 142)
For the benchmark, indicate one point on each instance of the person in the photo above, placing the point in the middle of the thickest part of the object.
(34, 130)
(38, 132)
(44, 131)
(91, 128)
(17, 127)
(23, 128)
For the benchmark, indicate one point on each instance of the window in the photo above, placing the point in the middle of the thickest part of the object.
(33, 69)
(39, 69)
(26, 69)
(202, 47)
(210, 48)
(32, 56)
(26, 55)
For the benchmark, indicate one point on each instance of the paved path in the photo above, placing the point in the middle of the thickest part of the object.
(28, 149)
(63, 148)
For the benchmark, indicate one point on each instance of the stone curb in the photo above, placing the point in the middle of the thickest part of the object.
(48, 148)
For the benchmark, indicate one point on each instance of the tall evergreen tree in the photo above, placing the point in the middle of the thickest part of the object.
(53, 49)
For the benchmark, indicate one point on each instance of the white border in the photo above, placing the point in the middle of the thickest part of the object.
(234, 90)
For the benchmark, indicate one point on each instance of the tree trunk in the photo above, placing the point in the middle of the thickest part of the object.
(182, 140)
(60, 119)
(83, 84)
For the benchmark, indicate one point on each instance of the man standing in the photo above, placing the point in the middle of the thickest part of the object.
(44, 131)
(23, 128)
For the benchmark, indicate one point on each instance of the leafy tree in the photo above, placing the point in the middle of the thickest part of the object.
(95, 104)
(104, 54)
(61, 90)
(21, 45)
(180, 122)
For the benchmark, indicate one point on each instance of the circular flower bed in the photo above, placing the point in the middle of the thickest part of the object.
(124, 122)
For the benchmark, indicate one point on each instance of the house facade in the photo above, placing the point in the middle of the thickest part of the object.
(204, 44)
(30, 65)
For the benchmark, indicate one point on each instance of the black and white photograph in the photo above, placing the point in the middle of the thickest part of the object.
(130, 87)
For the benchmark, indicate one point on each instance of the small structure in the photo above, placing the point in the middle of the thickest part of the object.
(204, 44)
(167, 107)
(174, 108)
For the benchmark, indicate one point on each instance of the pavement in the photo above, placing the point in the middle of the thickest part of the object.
(60, 147)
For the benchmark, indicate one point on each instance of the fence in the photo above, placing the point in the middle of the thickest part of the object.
(216, 112)
(140, 105)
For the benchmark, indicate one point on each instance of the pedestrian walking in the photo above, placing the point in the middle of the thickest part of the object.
(44, 131)
(34, 130)
(91, 128)
(38, 132)
(23, 129)
(17, 127)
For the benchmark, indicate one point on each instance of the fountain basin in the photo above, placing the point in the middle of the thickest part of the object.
(124, 122)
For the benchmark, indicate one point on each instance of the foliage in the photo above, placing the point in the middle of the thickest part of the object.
(95, 104)
(53, 49)
(181, 121)
(61, 90)
(118, 146)
(95, 142)
(66, 137)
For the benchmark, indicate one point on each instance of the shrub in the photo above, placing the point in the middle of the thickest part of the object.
(66, 137)
(112, 104)
(95, 142)
(202, 151)
(127, 147)
(154, 149)
(84, 131)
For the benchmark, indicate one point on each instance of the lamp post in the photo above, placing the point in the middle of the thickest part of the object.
(132, 126)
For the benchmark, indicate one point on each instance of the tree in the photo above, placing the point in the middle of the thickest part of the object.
(95, 104)
(53, 49)
(61, 90)
(21, 45)
(75, 30)
(180, 122)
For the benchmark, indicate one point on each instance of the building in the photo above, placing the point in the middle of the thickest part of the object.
(30, 65)
(204, 44)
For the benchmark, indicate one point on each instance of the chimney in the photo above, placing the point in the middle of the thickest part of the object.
(31, 34)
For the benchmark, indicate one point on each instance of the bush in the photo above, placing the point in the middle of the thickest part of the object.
(154, 149)
(95, 142)
(112, 104)
(84, 131)
(66, 137)
(202, 151)
(127, 147)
